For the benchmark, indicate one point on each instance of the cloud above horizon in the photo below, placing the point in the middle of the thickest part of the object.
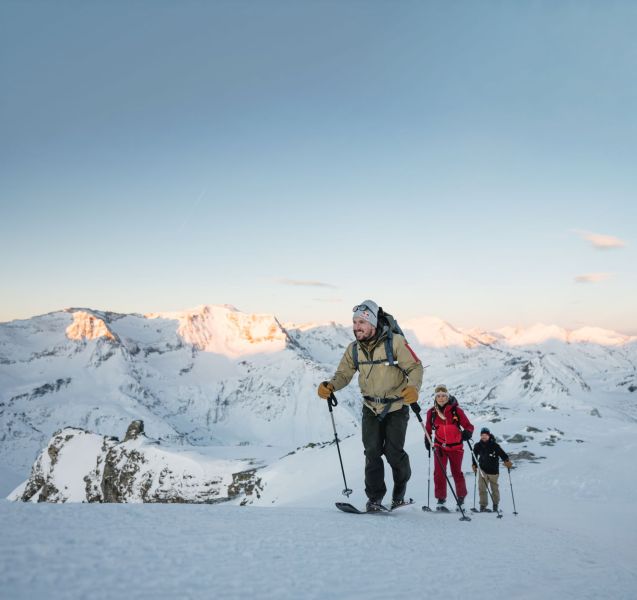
(299, 282)
(591, 277)
(601, 241)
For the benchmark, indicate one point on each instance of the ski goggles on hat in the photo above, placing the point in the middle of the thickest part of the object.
(364, 307)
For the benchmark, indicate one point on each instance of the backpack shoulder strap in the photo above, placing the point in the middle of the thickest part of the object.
(454, 414)
(389, 347)
(355, 354)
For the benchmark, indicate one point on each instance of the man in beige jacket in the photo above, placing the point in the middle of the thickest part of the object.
(388, 384)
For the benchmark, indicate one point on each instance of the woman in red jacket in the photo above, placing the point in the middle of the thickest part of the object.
(451, 428)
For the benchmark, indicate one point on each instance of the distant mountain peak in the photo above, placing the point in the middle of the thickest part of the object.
(87, 326)
(540, 333)
(437, 333)
(225, 330)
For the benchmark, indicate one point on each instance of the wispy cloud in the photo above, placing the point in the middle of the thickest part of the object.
(592, 277)
(329, 300)
(305, 283)
(601, 241)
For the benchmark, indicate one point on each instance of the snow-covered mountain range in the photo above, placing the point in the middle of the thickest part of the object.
(214, 377)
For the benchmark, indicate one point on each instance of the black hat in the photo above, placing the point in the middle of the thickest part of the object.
(485, 430)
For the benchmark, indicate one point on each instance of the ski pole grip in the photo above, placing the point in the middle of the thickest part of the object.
(416, 408)
(332, 401)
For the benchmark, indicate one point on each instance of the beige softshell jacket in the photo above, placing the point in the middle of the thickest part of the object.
(380, 380)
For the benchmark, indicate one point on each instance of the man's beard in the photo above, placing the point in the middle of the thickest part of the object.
(365, 337)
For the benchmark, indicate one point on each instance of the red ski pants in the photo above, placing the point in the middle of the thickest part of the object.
(454, 458)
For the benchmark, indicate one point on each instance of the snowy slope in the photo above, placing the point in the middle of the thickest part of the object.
(216, 376)
(562, 404)
(208, 376)
(555, 548)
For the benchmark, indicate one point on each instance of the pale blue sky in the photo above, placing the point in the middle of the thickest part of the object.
(438, 157)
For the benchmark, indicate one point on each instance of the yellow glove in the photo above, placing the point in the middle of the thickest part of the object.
(410, 394)
(325, 390)
(475, 468)
(508, 464)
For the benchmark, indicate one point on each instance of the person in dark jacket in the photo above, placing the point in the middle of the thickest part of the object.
(488, 451)
(452, 428)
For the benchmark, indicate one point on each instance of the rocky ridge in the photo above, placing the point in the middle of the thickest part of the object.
(79, 466)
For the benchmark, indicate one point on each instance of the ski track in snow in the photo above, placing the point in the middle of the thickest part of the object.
(198, 551)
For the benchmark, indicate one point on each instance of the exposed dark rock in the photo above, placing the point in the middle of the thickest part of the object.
(42, 390)
(40, 482)
(135, 470)
(518, 438)
(135, 429)
(311, 445)
(525, 455)
(514, 361)
(118, 478)
(245, 482)
(53, 454)
(527, 374)
(551, 440)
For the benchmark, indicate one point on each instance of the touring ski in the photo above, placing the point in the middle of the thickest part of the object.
(444, 510)
(404, 503)
(438, 509)
(349, 508)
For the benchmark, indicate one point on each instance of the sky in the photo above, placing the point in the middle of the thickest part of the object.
(471, 161)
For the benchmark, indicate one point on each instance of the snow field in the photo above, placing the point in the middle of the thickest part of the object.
(200, 551)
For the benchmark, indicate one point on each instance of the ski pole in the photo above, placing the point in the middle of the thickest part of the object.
(512, 497)
(486, 481)
(475, 480)
(427, 508)
(331, 402)
(416, 410)
(428, 478)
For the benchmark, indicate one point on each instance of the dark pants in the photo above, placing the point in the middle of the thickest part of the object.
(385, 437)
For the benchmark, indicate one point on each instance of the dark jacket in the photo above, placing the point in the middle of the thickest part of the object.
(487, 454)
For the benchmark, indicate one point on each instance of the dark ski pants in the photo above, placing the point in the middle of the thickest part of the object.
(385, 437)
(454, 458)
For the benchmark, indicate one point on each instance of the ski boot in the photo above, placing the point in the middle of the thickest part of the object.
(484, 509)
(460, 504)
(398, 502)
(374, 506)
(495, 508)
(441, 505)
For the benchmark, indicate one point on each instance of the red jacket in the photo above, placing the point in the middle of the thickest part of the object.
(447, 431)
